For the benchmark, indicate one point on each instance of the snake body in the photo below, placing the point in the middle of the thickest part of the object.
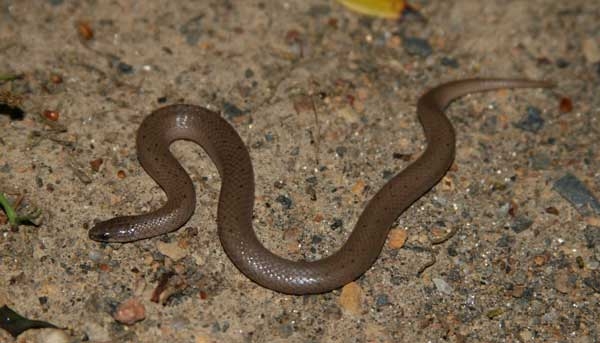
(236, 200)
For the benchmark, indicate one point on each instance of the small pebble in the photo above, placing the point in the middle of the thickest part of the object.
(561, 282)
(593, 281)
(442, 286)
(382, 300)
(192, 30)
(397, 238)
(565, 105)
(449, 62)
(124, 68)
(358, 187)
(231, 111)
(171, 250)
(130, 311)
(51, 115)
(351, 298)
(286, 202)
(521, 224)
(341, 151)
(575, 192)
(85, 30)
(417, 46)
(532, 121)
(592, 236)
(95, 164)
(337, 223)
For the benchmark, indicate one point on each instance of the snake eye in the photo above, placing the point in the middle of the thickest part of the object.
(99, 235)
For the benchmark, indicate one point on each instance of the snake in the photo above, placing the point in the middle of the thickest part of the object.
(227, 150)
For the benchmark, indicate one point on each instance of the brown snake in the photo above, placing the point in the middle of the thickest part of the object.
(236, 200)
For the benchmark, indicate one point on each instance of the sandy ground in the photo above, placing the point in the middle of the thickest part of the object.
(325, 100)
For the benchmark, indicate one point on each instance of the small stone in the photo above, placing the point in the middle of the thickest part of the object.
(593, 221)
(130, 311)
(521, 224)
(592, 236)
(593, 281)
(54, 336)
(382, 300)
(351, 298)
(43, 336)
(192, 30)
(124, 68)
(417, 46)
(95, 164)
(539, 260)
(532, 121)
(591, 50)
(231, 111)
(575, 192)
(397, 238)
(95, 332)
(286, 202)
(562, 63)
(518, 291)
(449, 62)
(358, 187)
(171, 250)
(341, 151)
(526, 335)
(442, 286)
(337, 223)
(561, 282)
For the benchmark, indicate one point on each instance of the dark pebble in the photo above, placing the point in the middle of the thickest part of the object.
(575, 192)
(5, 168)
(161, 100)
(269, 137)
(593, 281)
(55, 2)
(382, 300)
(192, 30)
(312, 180)
(284, 201)
(337, 223)
(231, 111)
(505, 241)
(521, 224)
(592, 236)
(295, 151)
(452, 250)
(449, 62)
(124, 68)
(540, 161)
(533, 121)
(249, 73)
(388, 174)
(417, 46)
(341, 151)
(316, 239)
(562, 63)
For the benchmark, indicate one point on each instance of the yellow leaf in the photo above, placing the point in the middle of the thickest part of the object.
(379, 8)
